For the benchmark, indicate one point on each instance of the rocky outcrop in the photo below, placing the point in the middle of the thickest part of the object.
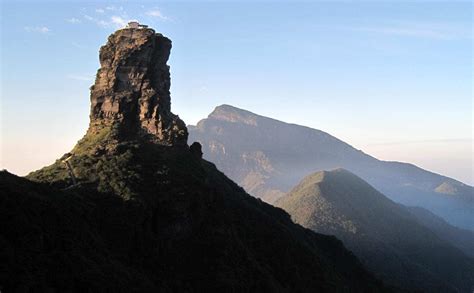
(132, 88)
(196, 150)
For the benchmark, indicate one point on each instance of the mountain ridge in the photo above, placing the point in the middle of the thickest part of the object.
(267, 157)
(224, 108)
(386, 236)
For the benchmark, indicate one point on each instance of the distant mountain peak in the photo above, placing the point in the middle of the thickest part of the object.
(233, 114)
(230, 108)
(331, 174)
(385, 235)
(336, 181)
(230, 136)
(448, 188)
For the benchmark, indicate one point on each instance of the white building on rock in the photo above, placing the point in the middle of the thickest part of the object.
(135, 24)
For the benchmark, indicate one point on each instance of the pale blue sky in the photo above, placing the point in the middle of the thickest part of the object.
(391, 78)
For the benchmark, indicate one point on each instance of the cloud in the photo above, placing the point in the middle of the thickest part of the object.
(99, 10)
(114, 8)
(438, 31)
(102, 23)
(37, 29)
(442, 140)
(73, 20)
(77, 45)
(156, 13)
(113, 21)
(118, 21)
(81, 77)
(406, 32)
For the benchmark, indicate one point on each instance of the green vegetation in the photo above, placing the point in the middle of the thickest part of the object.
(387, 238)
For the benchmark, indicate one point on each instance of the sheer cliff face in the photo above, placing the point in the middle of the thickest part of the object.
(132, 88)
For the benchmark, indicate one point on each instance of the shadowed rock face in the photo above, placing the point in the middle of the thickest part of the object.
(132, 88)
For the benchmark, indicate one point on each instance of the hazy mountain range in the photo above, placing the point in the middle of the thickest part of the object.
(389, 239)
(268, 157)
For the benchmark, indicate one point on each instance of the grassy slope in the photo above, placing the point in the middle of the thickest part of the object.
(386, 237)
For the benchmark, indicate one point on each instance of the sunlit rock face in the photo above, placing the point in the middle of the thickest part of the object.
(132, 88)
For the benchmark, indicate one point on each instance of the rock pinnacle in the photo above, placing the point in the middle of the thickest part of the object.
(132, 88)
